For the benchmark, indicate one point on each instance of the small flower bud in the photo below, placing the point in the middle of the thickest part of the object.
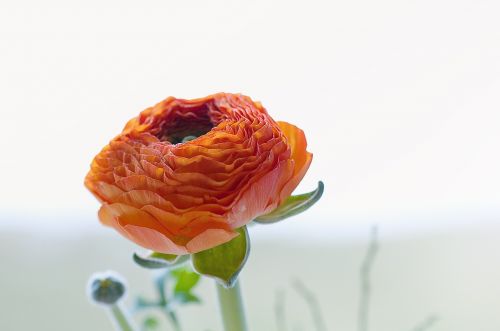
(106, 288)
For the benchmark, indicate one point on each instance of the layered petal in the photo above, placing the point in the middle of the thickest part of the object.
(302, 158)
(185, 173)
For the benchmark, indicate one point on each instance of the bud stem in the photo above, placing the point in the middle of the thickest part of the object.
(231, 307)
(120, 318)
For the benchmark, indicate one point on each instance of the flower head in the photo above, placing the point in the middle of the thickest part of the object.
(184, 174)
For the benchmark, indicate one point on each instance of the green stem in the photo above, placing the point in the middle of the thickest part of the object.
(172, 317)
(121, 319)
(231, 307)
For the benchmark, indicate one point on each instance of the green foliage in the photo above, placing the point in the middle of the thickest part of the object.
(186, 280)
(293, 205)
(150, 323)
(174, 288)
(224, 262)
(155, 260)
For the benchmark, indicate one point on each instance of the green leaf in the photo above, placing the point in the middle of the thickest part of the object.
(186, 297)
(186, 280)
(150, 323)
(157, 260)
(293, 205)
(224, 262)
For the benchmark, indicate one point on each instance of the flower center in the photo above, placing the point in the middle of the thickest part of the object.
(185, 124)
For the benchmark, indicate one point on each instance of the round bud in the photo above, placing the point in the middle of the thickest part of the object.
(106, 288)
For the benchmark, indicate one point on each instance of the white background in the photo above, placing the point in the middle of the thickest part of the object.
(399, 99)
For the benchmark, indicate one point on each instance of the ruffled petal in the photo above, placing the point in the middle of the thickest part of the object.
(140, 227)
(177, 197)
(298, 143)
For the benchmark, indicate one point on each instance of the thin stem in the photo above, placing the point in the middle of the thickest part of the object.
(164, 300)
(231, 308)
(279, 311)
(365, 280)
(427, 323)
(120, 318)
(313, 304)
(172, 317)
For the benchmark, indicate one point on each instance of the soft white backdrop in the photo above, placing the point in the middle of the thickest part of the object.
(399, 99)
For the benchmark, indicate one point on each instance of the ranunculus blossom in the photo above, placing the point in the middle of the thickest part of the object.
(184, 174)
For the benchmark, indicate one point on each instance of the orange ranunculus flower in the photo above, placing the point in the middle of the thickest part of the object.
(185, 173)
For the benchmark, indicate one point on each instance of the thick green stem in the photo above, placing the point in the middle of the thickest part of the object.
(231, 308)
(120, 318)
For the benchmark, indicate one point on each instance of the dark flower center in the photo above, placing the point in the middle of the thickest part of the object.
(185, 124)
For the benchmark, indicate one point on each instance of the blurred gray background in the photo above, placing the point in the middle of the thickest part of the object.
(450, 275)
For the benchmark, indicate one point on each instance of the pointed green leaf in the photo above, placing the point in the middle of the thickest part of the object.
(157, 260)
(224, 262)
(293, 205)
(185, 279)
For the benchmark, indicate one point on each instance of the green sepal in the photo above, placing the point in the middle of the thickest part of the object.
(224, 262)
(293, 205)
(157, 260)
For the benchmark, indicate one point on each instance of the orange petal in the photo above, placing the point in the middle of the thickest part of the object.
(140, 227)
(185, 197)
(256, 200)
(298, 143)
(208, 239)
(109, 192)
